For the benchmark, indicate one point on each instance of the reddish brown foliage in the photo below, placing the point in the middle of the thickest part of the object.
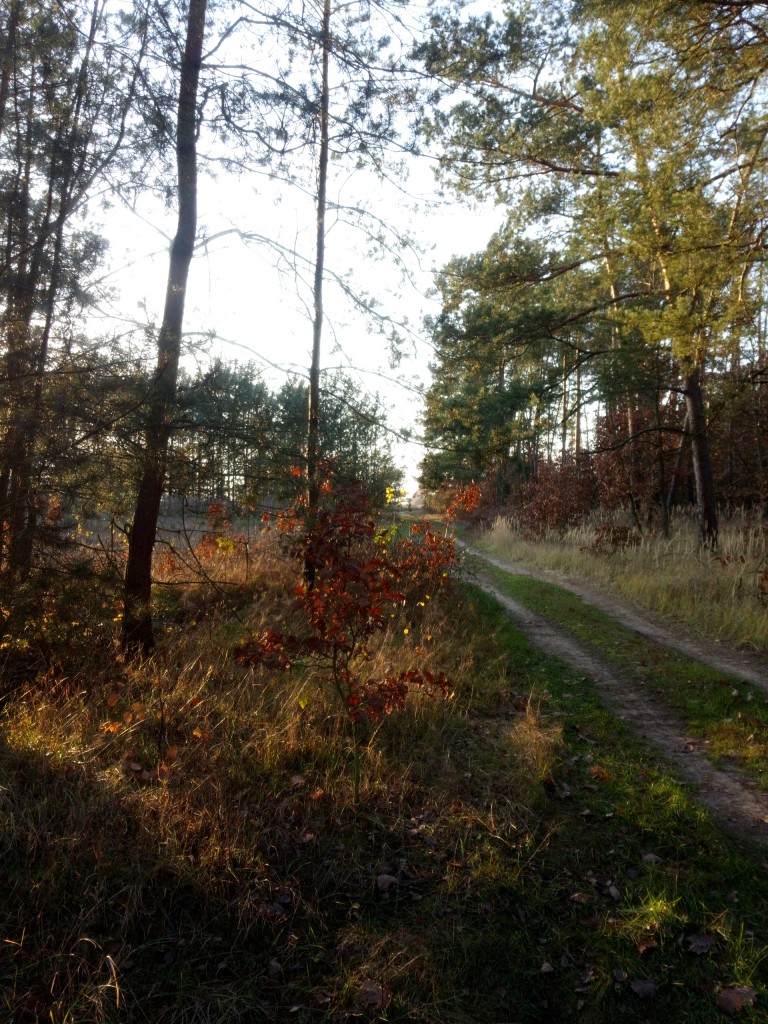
(466, 501)
(362, 578)
(557, 500)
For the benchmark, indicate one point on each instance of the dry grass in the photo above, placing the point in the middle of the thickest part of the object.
(179, 837)
(721, 594)
(179, 842)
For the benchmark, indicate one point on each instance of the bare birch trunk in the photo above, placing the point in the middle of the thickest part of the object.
(313, 404)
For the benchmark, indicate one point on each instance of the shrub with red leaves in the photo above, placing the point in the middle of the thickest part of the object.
(362, 578)
(466, 501)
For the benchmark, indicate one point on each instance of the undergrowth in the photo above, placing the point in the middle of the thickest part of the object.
(179, 840)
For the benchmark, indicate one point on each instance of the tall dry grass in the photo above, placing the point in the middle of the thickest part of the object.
(178, 836)
(721, 594)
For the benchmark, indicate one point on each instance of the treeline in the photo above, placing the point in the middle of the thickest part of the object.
(616, 321)
(235, 439)
(106, 107)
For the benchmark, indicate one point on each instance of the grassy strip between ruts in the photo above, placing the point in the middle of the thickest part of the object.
(731, 716)
(516, 857)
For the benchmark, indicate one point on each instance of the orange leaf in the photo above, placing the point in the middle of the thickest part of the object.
(172, 753)
(128, 717)
(112, 699)
(109, 726)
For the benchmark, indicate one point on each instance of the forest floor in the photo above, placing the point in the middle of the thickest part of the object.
(734, 800)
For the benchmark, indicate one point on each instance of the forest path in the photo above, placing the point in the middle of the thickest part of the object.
(737, 805)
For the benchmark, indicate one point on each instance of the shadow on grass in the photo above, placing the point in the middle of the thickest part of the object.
(104, 913)
(457, 893)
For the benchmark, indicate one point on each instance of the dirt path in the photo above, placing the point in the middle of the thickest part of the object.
(739, 807)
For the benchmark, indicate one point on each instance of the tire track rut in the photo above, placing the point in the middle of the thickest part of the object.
(740, 808)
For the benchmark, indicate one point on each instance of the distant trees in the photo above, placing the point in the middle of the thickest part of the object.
(630, 141)
(237, 440)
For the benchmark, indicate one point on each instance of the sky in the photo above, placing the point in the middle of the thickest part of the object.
(246, 301)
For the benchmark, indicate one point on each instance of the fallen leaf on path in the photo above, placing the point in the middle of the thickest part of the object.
(733, 1000)
(644, 988)
(373, 995)
(699, 944)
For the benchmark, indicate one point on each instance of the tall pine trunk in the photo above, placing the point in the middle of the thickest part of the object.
(702, 465)
(137, 634)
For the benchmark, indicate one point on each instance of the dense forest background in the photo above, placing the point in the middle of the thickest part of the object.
(606, 352)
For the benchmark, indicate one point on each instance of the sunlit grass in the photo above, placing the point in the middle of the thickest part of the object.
(204, 860)
(717, 594)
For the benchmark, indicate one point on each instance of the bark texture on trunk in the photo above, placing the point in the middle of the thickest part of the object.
(702, 465)
(138, 636)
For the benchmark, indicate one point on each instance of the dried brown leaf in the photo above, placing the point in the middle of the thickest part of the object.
(699, 944)
(644, 988)
(373, 995)
(733, 1000)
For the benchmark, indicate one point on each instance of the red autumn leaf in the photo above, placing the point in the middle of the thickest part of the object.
(112, 699)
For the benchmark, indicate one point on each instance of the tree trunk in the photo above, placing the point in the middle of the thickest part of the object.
(313, 401)
(702, 466)
(137, 620)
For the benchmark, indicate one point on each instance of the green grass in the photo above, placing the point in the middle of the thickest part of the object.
(730, 715)
(496, 869)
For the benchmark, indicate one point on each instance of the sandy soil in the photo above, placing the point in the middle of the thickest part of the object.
(737, 805)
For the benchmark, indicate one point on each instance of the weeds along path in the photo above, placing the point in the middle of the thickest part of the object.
(738, 807)
(740, 664)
